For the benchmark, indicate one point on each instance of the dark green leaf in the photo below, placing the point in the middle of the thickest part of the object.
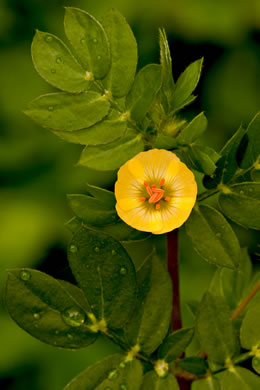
(54, 62)
(193, 130)
(215, 329)
(250, 329)
(201, 158)
(108, 130)
(212, 237)
(123, 232)
(151, 317)
(208, 383)
(62, 111)
(238, 378)
(53, 311)
(153, 382)
(89, 40)
(166, 63)
(175, 344)
(101, 194)
(165, 142)
(253, 148)
(105, 273)
(255, 173)
(227, 164)
(112, 156)
(92, 211)
(186, 83)
(112, 372)
(256, 364)
(193, 307)
(146, 85)
(186, 102)
(241, 203)
(123, 54)
(194, 364)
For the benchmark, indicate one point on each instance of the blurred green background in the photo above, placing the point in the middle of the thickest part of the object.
(37, 169)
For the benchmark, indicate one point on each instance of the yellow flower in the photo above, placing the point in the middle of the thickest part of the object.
(155, 191)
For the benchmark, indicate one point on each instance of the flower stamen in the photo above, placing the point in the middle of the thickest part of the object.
(167, 198)
(162, 182)
(142, 199)
(157, 206)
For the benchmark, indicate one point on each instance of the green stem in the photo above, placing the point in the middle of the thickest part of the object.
(206, 194)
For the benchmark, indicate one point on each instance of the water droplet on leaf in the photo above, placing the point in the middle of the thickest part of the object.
(241, 192)
(123, 271)
(53, 71)
(122, 365)
(113, 252)
(73, 248)
(97, 249)
(49, 38)
(123, 387)
(70, 336)
(99, 58)
(218, 234)
(36, 316)
(73, 317)
(57, 332)
(113, 375)
(83, 41)
(50, 108)
(59, 60)
(25, 275)
(95, 40)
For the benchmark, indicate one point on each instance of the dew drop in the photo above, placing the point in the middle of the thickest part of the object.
(99, 58)
(59, 60)
(73, 248)
(25, 275)
(123, 387)
(250, 190)
(113, 375)
(92, 306)
(70, 337)
(113, 252)
(57, 332)
(36, 316)
(123, 271)
(53, 71)
(49, 38)
(50, 108)
(241, 192)
(95, 40)
(73, 317)
(83, 41)
(108, 388)
(122, 365)
(97, 249)
(218, 234)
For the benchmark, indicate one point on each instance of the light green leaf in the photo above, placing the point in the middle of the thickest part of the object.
(241, 203)
(186, 102)
(256, 364)
(194, 364)
(215, 329)
(105, 273)
(108, 130)
(213, 237)
(89, 40)
(250, 328)
(208, 383)
(186, 83)
(101, 194)
(201, 158)
(227, 164)
(253, 148)
(193, 130)
(146, 85)
(62, 111)
(54, 62)
(53, 311)
(110, 372)
(238, 378)
(92, 211)
(151, 317)
(175, 344)
(152, 381)
(166, 63)
(165, 142)
(112, 156)
(123, 54)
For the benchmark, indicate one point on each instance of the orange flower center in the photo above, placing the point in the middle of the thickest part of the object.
(155, 194)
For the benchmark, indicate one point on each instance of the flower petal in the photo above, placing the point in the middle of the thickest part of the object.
(128, 203)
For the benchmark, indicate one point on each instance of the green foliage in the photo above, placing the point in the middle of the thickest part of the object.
(153, 382)
(252, 137)
(249, 332)
(193, 130)
(208, 383)
(239, 378)
(194, 365)
(175, 344)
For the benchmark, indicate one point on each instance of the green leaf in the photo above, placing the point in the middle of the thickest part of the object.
(123, 54)
(186, 102)
(208, 383)
(152, 381)
(151, 317)
(238, 378)
(241, 203)
(232, 284)
(53, 311)
(256, 364)
(175, 344)
(123, 232)
(193, 130)
(101, 194)
(250, 328)
(112, 371)
(92, 211)
(166, 64)
(201, 158)
(194, 364)
(108, 130)
(215, 329)
(112, 156)
(253, 148)
(105, 273)
(62, 111)
(227, 164)
(186, 83)
(142, 94)
(54, 62)
(193, 307)
(89, 40)
(165, 142)
(213, 237)
(255, 173)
